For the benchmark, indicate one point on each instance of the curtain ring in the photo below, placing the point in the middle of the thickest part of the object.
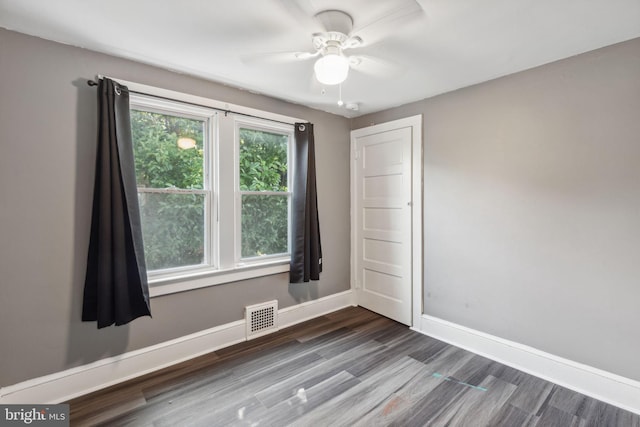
(118, 91)
(301, 128)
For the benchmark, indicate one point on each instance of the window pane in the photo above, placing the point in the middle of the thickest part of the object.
(264, 225)
(263, 160)
(172, 229)
(168, 150)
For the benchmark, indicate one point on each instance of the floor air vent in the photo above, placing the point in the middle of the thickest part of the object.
(261, 319)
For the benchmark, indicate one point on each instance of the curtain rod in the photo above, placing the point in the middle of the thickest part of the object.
(94, 83)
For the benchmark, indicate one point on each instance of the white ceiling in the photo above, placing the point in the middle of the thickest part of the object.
(431, 47)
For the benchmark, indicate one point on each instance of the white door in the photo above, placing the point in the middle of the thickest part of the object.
(382, 222)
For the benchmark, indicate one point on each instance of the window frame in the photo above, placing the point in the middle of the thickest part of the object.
(209, 117)
(190, 279)
(270, 127)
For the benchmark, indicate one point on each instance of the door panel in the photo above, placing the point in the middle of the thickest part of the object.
(383, 231)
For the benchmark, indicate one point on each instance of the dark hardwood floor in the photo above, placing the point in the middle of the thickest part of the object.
(348, 368)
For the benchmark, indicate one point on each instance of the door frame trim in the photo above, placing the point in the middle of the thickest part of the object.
(415, 123)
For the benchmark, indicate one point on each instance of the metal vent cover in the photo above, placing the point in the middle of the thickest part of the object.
(261, 319)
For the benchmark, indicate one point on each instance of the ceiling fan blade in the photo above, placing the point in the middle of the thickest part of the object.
(386, 24)
(273, 58)
(375, 67)
(306, 55)
(351, 43)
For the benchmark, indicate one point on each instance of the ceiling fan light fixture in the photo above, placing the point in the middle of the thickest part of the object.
(331, 69)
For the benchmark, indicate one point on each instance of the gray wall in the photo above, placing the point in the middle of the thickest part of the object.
(47, 155)
(532, 206)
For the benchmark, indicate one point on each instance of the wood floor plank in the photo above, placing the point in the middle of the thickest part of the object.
(402, 402)
(112, 406)
(305, 400)
(603, 414)
(554, 417)
(429, 351)
(432, 405)
(350, 367)
(449, 362)
(222, 380)
(263, 378)
(314, 374)
(479, 405)
(530, 394)
(347, 408)
(335, 347)
(569, 401)
(226, 394)
(475, 371)
(509, 415)
(506, 373)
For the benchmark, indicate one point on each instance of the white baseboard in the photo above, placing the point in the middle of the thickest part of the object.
(311, 309)
(65, 385)
(602, 385)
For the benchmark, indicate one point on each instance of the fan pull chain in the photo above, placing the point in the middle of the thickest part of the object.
(340, 102)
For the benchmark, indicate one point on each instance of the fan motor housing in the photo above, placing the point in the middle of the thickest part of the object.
(335, 21)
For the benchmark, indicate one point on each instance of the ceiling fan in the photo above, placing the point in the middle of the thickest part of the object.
(337, 35)
(332, 67)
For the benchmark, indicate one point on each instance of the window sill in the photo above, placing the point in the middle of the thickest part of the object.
(197, 280)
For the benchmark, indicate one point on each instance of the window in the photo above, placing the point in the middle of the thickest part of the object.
(214, 192)
(171, 149)
(264, 191)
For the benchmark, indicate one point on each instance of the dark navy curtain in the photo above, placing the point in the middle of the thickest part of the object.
(116, 289)
(306, 251)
